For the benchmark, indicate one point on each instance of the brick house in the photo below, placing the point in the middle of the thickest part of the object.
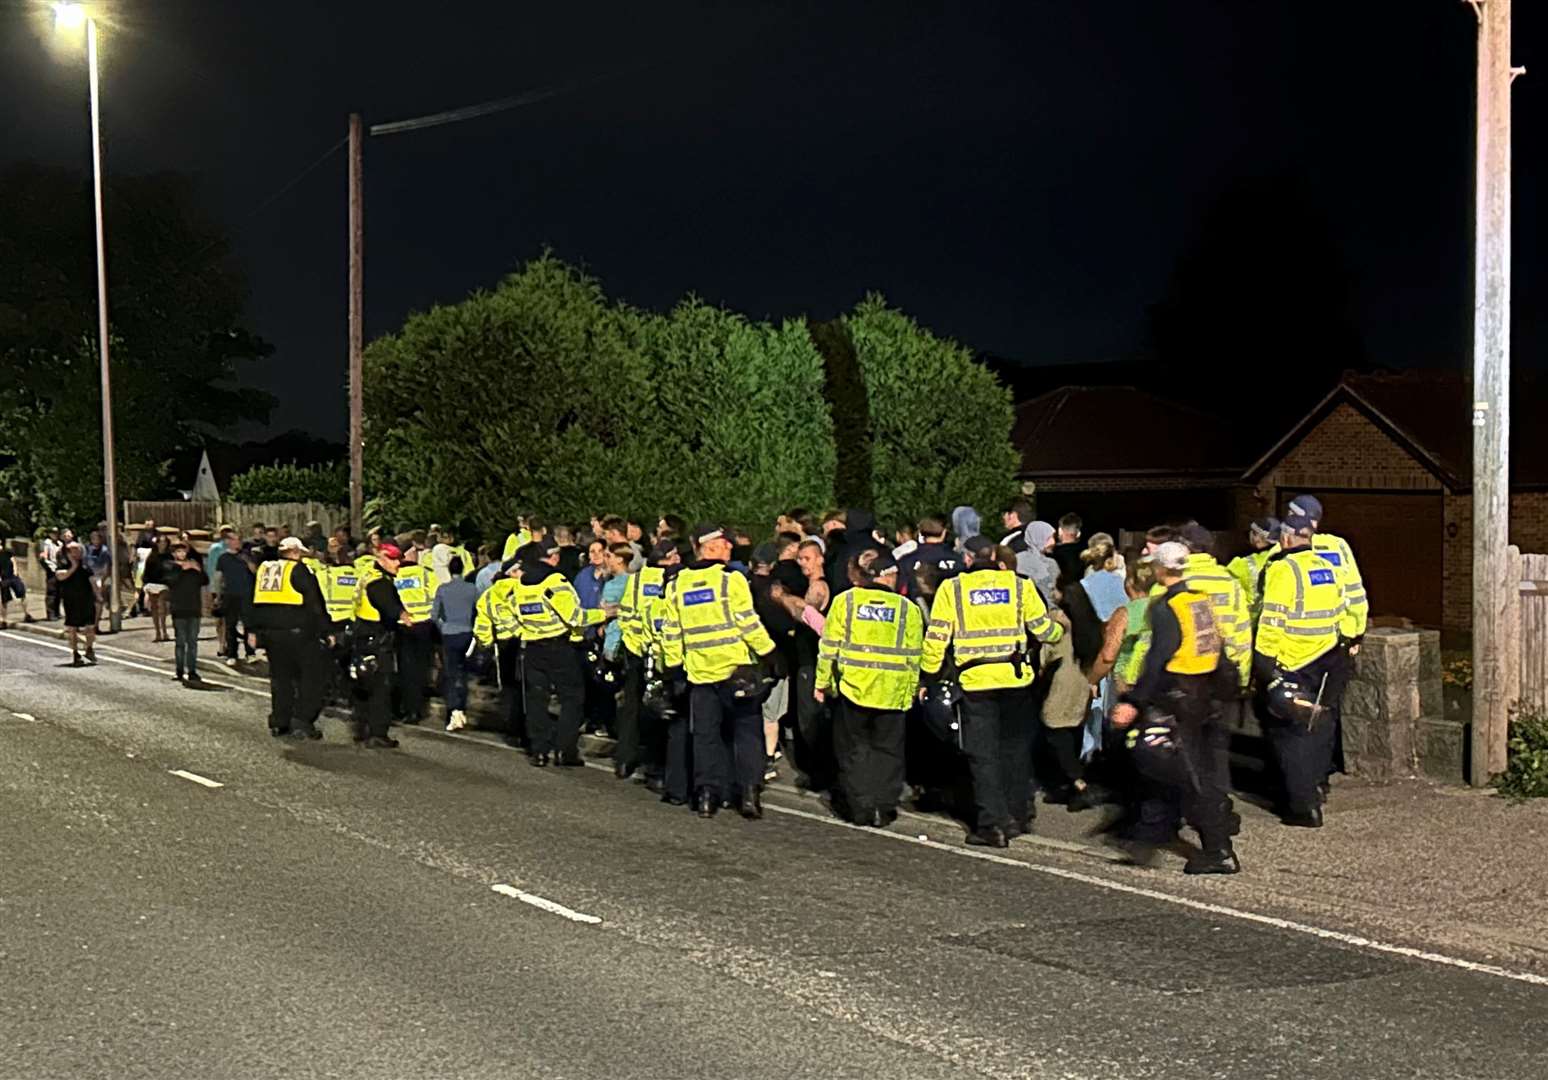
(1390, 458)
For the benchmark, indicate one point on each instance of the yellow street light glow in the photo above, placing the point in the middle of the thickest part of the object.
(69, 16)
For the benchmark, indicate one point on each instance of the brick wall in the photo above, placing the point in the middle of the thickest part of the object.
(1528, 531)
(1348, 451)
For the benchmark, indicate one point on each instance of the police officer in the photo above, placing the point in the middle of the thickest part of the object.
(1233, 620)
(550, 621)
(712, 633)
(338, 582)
(378, 615)
(985, 615)
(289, 619)
(1177, 733)
(495, 630)
(1263, 535)
(641, 615)
(416, 585)
(1336, 550)
(1296, 661)
(869, 660)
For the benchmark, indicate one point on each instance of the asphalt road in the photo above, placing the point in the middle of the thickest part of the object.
(332, 912)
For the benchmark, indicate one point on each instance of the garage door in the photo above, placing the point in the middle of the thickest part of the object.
(1398, 540)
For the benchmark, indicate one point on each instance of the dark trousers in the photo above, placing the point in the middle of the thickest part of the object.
(679, 750)
(727, 740)
(552, 671)
(233, 607)
(600, 699)
(373, 695)
(1305, 755)
(1180, 767)
(1063, 746)
(814, 728)
(454, 670)
(185, 631)
(336, 683)
(869, 746)
(295, 679)
(513, 701)
(997, 739)
(630, 748)
(414, 650)
(50, 595)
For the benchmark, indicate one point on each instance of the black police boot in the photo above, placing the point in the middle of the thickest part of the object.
(1019, 828)
(657, 786)
(672, 800)
(568, 761)
(990, 837)
(752, 806)
(1216, 861)
(538, 760)
(1303, 819)
(623, 770)
(707, 804)
(380, 742)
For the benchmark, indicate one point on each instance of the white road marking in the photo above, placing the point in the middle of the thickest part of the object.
(32, 639)
(1352, 940)
(546, 904)
(25, 716)
(196, 778)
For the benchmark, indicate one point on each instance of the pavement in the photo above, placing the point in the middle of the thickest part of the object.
(444, 910)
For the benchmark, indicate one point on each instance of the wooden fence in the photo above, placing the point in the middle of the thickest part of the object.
(208, 515)
(1526, 672)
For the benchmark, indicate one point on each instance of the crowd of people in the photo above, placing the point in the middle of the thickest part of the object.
(928, 662)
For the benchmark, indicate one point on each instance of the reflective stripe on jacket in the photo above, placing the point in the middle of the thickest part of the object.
(710, 628)
(1336, 550)
(985, 616)
(1202, 574)
(1303, 608)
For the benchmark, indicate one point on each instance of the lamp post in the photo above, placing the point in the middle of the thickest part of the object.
(73, 17)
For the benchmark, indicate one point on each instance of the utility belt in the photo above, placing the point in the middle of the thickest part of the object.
(1023, 657)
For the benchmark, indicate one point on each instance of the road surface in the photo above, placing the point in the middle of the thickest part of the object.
(444, 910)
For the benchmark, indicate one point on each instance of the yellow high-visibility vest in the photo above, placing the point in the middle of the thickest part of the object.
(338, 589)
(1304, 606)
(1233, 620)
(413, 585)
(1336, 550)
(711, 628)
(985, 616)
(870, 649)
(1201, 645)
(364, 610)
(550, 609)
(272, 585)
(640, 614)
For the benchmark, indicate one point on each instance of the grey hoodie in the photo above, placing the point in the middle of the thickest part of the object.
(1033, 564)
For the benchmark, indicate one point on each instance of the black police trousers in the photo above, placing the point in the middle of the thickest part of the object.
(415, 648)
(373, 691)
(640, 730)
(997, 728)
(513, 703)
(1181, 768)
(727, 740)
(1305, 754)
(551, 670)
(869, 746)
(296, 674)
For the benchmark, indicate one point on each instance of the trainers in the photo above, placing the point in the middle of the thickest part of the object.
(231, 661)
(458, 721)
(770, 770)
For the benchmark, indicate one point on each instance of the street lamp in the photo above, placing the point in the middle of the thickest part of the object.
(72, 17)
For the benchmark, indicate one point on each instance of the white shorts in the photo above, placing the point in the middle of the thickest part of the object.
(155, 590)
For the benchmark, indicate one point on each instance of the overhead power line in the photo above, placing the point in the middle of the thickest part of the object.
(498, 105)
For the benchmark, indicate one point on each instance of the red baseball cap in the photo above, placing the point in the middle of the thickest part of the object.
(390, 551)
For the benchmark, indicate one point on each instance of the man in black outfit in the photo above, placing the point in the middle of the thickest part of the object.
(290, 618)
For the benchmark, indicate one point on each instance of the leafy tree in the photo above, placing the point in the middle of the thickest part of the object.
(940, 422)
(178, 337)
(286, 483)
(850, 408)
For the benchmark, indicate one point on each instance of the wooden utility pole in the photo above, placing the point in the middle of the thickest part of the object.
(1492, 636)
(356, 326)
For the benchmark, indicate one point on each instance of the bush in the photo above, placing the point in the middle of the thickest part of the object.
(292, 483)
(1526, 768)
(940, 422)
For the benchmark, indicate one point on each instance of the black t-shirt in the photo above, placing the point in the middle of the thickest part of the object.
(1067, 555)
(185, 590)
(7, 564)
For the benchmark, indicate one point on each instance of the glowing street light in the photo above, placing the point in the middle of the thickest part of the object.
(71, 17)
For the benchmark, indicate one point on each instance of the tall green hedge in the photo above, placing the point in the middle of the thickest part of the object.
(541, 394)
(940, 421)
(279, 483)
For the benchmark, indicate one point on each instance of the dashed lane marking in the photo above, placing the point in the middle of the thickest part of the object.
(546, 904)
(204, 781)
(25, 716)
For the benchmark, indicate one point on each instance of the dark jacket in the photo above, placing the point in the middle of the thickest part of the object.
(236, 576)
(1067, 555)
(857, 535)
(185, 590)
(946, 560)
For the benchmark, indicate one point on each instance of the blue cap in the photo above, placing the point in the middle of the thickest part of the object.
(1306, 506)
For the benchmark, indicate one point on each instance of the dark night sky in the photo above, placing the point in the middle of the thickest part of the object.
(1023, 177)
